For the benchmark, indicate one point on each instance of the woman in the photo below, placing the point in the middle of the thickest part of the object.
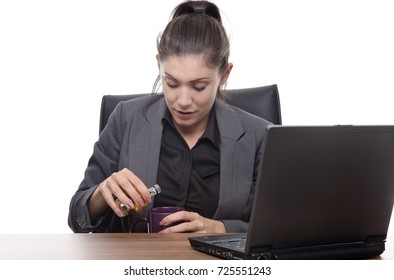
(202, 152)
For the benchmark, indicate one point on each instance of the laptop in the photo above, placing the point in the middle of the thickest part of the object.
(323, 192)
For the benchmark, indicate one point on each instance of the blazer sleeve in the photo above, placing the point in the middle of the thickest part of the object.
(102, 163)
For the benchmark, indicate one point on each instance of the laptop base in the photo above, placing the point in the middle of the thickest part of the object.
(225, 247)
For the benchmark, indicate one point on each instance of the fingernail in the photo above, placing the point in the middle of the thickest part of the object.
(148, 199)
(140, 202)
(130, 204)
(120, 213)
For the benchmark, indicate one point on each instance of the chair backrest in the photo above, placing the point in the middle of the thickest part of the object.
(260, 101)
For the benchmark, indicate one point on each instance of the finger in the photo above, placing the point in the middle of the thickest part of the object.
(107, 195)
(190, 222)
(175, 217)
(176, 222)
(125, 191)
(138, 185)
(115, 185)
(192, 226)
(175, 229)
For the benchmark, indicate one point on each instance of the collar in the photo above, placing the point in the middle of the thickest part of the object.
(211, 132)
(228, 122)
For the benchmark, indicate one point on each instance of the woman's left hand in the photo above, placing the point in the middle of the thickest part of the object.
(191, 222)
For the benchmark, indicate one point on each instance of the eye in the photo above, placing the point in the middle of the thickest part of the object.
(199, 88)
(171, 84)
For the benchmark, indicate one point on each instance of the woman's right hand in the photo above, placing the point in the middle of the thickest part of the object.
(123, 185)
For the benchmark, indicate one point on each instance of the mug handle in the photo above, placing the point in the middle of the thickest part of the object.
(142, 220)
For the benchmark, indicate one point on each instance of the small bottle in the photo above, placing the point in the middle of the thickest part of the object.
(137, 208)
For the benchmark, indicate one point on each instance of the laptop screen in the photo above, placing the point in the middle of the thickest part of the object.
(323, 185)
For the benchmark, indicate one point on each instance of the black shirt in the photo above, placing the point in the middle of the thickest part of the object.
(189, 178)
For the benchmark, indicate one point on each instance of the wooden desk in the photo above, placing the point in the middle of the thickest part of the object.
(110, 246)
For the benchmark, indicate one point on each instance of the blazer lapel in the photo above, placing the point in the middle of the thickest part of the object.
(145, 142)
(237, 154)
(144, 152)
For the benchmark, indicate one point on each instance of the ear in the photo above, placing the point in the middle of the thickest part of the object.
(158, 61)
(226, 74)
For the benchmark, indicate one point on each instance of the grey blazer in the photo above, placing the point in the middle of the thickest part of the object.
(132, 139)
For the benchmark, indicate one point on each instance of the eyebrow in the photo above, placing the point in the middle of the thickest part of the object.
(192, 82)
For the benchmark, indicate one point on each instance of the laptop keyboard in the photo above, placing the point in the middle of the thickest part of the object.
(237, 244)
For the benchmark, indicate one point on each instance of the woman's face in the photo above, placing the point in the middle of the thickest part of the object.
(190, 88)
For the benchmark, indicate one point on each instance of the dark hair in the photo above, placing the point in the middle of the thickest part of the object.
(195, 29)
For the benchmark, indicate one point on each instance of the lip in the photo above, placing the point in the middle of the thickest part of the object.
(183, 115)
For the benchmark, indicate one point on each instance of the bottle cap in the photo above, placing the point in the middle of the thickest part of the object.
(157, 188)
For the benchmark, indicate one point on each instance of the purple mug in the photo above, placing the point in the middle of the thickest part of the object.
(155, 215)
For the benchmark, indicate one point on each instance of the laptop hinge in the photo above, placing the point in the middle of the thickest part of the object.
(376, 238)
(373, 247)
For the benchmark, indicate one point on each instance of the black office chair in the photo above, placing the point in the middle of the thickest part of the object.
(260, 101)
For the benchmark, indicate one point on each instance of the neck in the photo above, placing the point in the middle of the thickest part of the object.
(192, 134)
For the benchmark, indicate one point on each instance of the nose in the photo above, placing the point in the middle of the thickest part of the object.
(184, 98)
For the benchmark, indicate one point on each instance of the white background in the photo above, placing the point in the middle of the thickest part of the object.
(332, 60)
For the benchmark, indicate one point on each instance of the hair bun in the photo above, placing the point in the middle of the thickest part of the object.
(199, 10)
(197, 7)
